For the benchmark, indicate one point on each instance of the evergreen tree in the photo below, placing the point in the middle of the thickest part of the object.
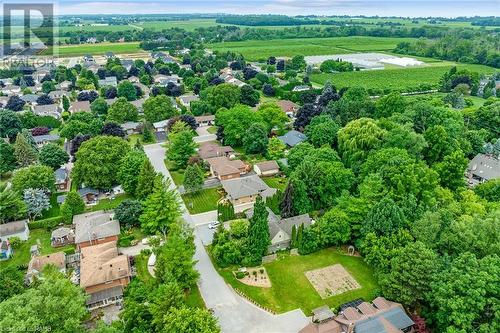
(73, 205)
(65, 103)
(24, 152)
(145, 180)
(193, 178)
(160, 209)
(293, 241)
(225, 211)
(258, 232)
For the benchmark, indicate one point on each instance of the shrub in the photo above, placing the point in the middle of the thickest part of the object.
(69, 251)
(240, 275)
(49, 223)
(15, 242)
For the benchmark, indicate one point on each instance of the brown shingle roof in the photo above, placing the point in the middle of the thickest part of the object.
(209, 150)
(224, 166)
(101, 263)
(267, 166)
(37, 263)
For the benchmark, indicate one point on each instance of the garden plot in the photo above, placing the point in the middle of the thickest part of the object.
(331, 280)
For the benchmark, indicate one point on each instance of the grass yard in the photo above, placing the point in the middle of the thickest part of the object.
(262, 49)
(178, 177)
(276, 182)
(108, 204)
(141, 265)
(202, 201)
(394, 79)
(194, 299)
(291, 289)
(95, 49)
(22, 254)
(212, 129)
(54, 209)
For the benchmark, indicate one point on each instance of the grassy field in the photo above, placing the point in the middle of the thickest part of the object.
(194, 299)
(393, 78)
(202, 201)
(95, 49)
(256, 49)
(22, 254)
(276, 182)
(291, 289)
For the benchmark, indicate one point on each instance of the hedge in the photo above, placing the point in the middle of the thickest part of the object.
(48, 224)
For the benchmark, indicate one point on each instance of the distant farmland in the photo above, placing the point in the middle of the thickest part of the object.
(395, 78)
(261, 49)
(96, 49)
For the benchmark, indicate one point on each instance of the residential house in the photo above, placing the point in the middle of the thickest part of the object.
(57, 95)
(280, 230)
(223, 168)
(161, 126)
(62, 179)
(91, 66)
(108, 81)
(30, 98)
(42, 140)
(89, 195)
(3, 101)
(138, 104)
(132, 127)
(145, 90)
(38, 263)
(208, 120)
(110, 101)
(127, 63)
(245, 190)
(65, 85)
(62, 236)
(39, 74)
(109, 55)
(163, 57)
(52, 110)
(381, 316)
(5, 250)
(292, 138)
(95, 228)
(15, 229)
(88, 58)
(266, 168)
(210, 149)
(186, 100)
(103, 274)
(483, 168)
(11, 90)
(133, 79)
(79, 106)
(288, 107)
(301, 88)
(164, 80)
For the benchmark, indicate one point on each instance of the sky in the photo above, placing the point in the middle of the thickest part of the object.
(407, 8)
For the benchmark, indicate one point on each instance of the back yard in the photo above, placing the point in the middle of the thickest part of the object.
(291, 288)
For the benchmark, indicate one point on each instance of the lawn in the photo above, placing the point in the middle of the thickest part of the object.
(22, 254)
(95, 49)
(291, 289)
(276, 182)
(262, 49)
(108, 204)
(54, 209)
(394, 79)
(141, 265)
(202, 201)
(194, 299)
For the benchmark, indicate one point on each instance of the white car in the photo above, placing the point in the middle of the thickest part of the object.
(213, 225)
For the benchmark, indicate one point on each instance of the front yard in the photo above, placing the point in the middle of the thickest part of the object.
(291, 289)
(202, 201)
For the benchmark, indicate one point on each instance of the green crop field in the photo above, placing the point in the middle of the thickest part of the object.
(395, 78)
(262, 49)
(188, 25)
(96, 49)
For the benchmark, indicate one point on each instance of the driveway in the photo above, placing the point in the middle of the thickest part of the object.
(235, 314)
(133, 250)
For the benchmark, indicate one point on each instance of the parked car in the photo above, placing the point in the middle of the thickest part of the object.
(213, 225)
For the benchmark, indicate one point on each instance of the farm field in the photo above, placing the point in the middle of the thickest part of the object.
(96, 49)
(291, 289)
(394, 78)
(262, 49)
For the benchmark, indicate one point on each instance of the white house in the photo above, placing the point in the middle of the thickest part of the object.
(15, 229)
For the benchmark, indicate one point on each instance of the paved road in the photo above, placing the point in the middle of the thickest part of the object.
(235, 314)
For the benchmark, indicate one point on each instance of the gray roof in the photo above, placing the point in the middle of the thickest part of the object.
(272, 221)
(160, 124)
(323, 313)
(396, 316)
(95, 225)
(104, 294)
(292, 138)
(108, 81)
(49, 108)
(11, 228)
(485, 166)
(246, 186)
(130, 125)
(61, 232)
(46, 138)
(58, 93)
(30, 98)
(61, 175)
(287, 224)
(87, 190)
